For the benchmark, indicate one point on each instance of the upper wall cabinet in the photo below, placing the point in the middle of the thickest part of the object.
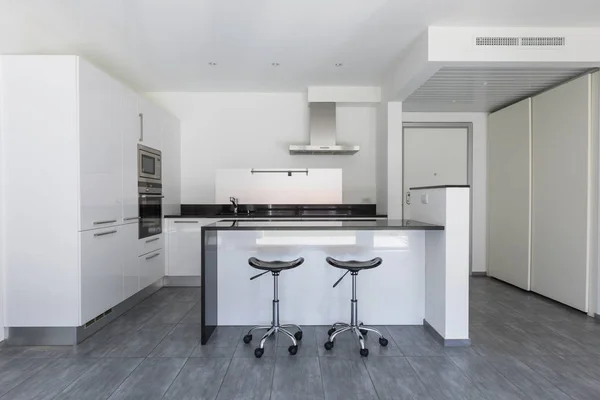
(130, 135)
(150, 123)
(100, 128)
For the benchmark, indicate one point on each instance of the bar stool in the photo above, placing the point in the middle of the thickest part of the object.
(275, 268)
(359, 329)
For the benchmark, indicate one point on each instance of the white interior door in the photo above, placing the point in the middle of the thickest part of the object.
(432, 157)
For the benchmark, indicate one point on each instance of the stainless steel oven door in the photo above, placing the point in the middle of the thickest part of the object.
(150, 215)
(149, 164)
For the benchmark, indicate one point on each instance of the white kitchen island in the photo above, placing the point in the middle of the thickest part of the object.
(414, 286)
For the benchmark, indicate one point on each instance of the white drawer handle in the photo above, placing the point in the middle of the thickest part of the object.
(104, 233)
(130, 218)
(152, 256)
(186, 222)
(152, 240)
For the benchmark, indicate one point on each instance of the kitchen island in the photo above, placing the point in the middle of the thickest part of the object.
(413, 286)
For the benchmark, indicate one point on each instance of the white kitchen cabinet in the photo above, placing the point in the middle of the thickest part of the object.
(100, 148)
(101, 271)
(171, 164)
(152, 243)
(152, 267)
(184, 245)
(131, 268)
(79, 128)
(129, 123)
(150, 118)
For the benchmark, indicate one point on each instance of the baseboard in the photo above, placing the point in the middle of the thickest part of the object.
(478, 273)
(72, 335)
(445, 342)
(182, 281)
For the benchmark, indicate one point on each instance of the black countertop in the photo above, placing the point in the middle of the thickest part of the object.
(329, 224)
(270, 211)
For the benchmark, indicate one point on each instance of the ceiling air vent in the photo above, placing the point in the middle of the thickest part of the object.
(496, 41)
(543, 41)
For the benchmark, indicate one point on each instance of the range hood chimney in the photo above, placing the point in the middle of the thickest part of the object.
(322, 128)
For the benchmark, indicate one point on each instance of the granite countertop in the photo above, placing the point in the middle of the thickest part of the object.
(329, 224)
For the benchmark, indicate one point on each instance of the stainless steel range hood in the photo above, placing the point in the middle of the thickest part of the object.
(323, 133)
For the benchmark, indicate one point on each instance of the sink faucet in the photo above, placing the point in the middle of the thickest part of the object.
(234, 201)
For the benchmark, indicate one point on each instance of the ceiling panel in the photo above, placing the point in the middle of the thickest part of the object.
(483, 89)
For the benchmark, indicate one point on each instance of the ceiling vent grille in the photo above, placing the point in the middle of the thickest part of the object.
(543, 41)
(496, 41)
(513, 41)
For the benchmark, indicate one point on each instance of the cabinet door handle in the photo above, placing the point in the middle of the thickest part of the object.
(141, 127)
(152, 240)
(408, 198)
(152, 256)
(185, 222)
(130, 218)
(105, 222)
(104, 233)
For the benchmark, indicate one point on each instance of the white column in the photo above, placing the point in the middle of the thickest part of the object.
(446, 260)
(394, 161)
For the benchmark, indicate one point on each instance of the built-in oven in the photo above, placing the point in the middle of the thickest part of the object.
(150, 191)
(149, 164)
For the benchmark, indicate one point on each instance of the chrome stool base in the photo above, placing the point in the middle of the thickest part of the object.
(359, 330)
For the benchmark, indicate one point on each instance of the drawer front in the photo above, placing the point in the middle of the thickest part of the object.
(152, 267)
(151, 243)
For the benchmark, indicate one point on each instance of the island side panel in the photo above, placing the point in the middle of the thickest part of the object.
(393, 293)
(209, 289)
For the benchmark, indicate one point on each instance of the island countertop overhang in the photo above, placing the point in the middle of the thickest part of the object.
(259, 225)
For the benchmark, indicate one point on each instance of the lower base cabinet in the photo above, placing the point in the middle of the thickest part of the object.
(101, 270)
(131, 267)
(152, 267)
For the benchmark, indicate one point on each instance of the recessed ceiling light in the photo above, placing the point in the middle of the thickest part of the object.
(212, 64)
(275, 64)
(338, 64)
(454, 101)
(485, 83)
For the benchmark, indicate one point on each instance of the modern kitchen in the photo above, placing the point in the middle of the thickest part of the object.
(269, 218)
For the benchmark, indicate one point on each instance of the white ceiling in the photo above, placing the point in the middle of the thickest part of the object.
(483, 89)
(166, 45)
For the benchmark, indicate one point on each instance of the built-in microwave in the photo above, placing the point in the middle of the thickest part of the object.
(149, 164)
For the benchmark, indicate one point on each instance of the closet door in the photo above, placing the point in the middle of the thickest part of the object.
(561, 184)
(509, 194)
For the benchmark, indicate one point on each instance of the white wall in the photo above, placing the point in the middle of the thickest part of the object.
(2, 252)
(479, 121)
(254, 130)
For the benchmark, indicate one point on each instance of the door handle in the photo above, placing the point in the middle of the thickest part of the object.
(130, 218)
(185, 222)
(152, 240)
(105, 222)
(104, 233)
(141, 127)
(407, 198)
(152, 256)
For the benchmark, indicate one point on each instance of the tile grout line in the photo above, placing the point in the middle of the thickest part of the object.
(418, 377)
(225, 374)
(174, 379)
(364, 361)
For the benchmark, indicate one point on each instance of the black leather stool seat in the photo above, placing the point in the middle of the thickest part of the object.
(354, 266)
(274, 266)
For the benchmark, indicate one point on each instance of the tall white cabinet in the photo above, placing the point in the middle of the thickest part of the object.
(71, 135)
(542, 185)
(509, 194)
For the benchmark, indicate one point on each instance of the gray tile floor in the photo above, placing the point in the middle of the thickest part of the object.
(524, 347)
